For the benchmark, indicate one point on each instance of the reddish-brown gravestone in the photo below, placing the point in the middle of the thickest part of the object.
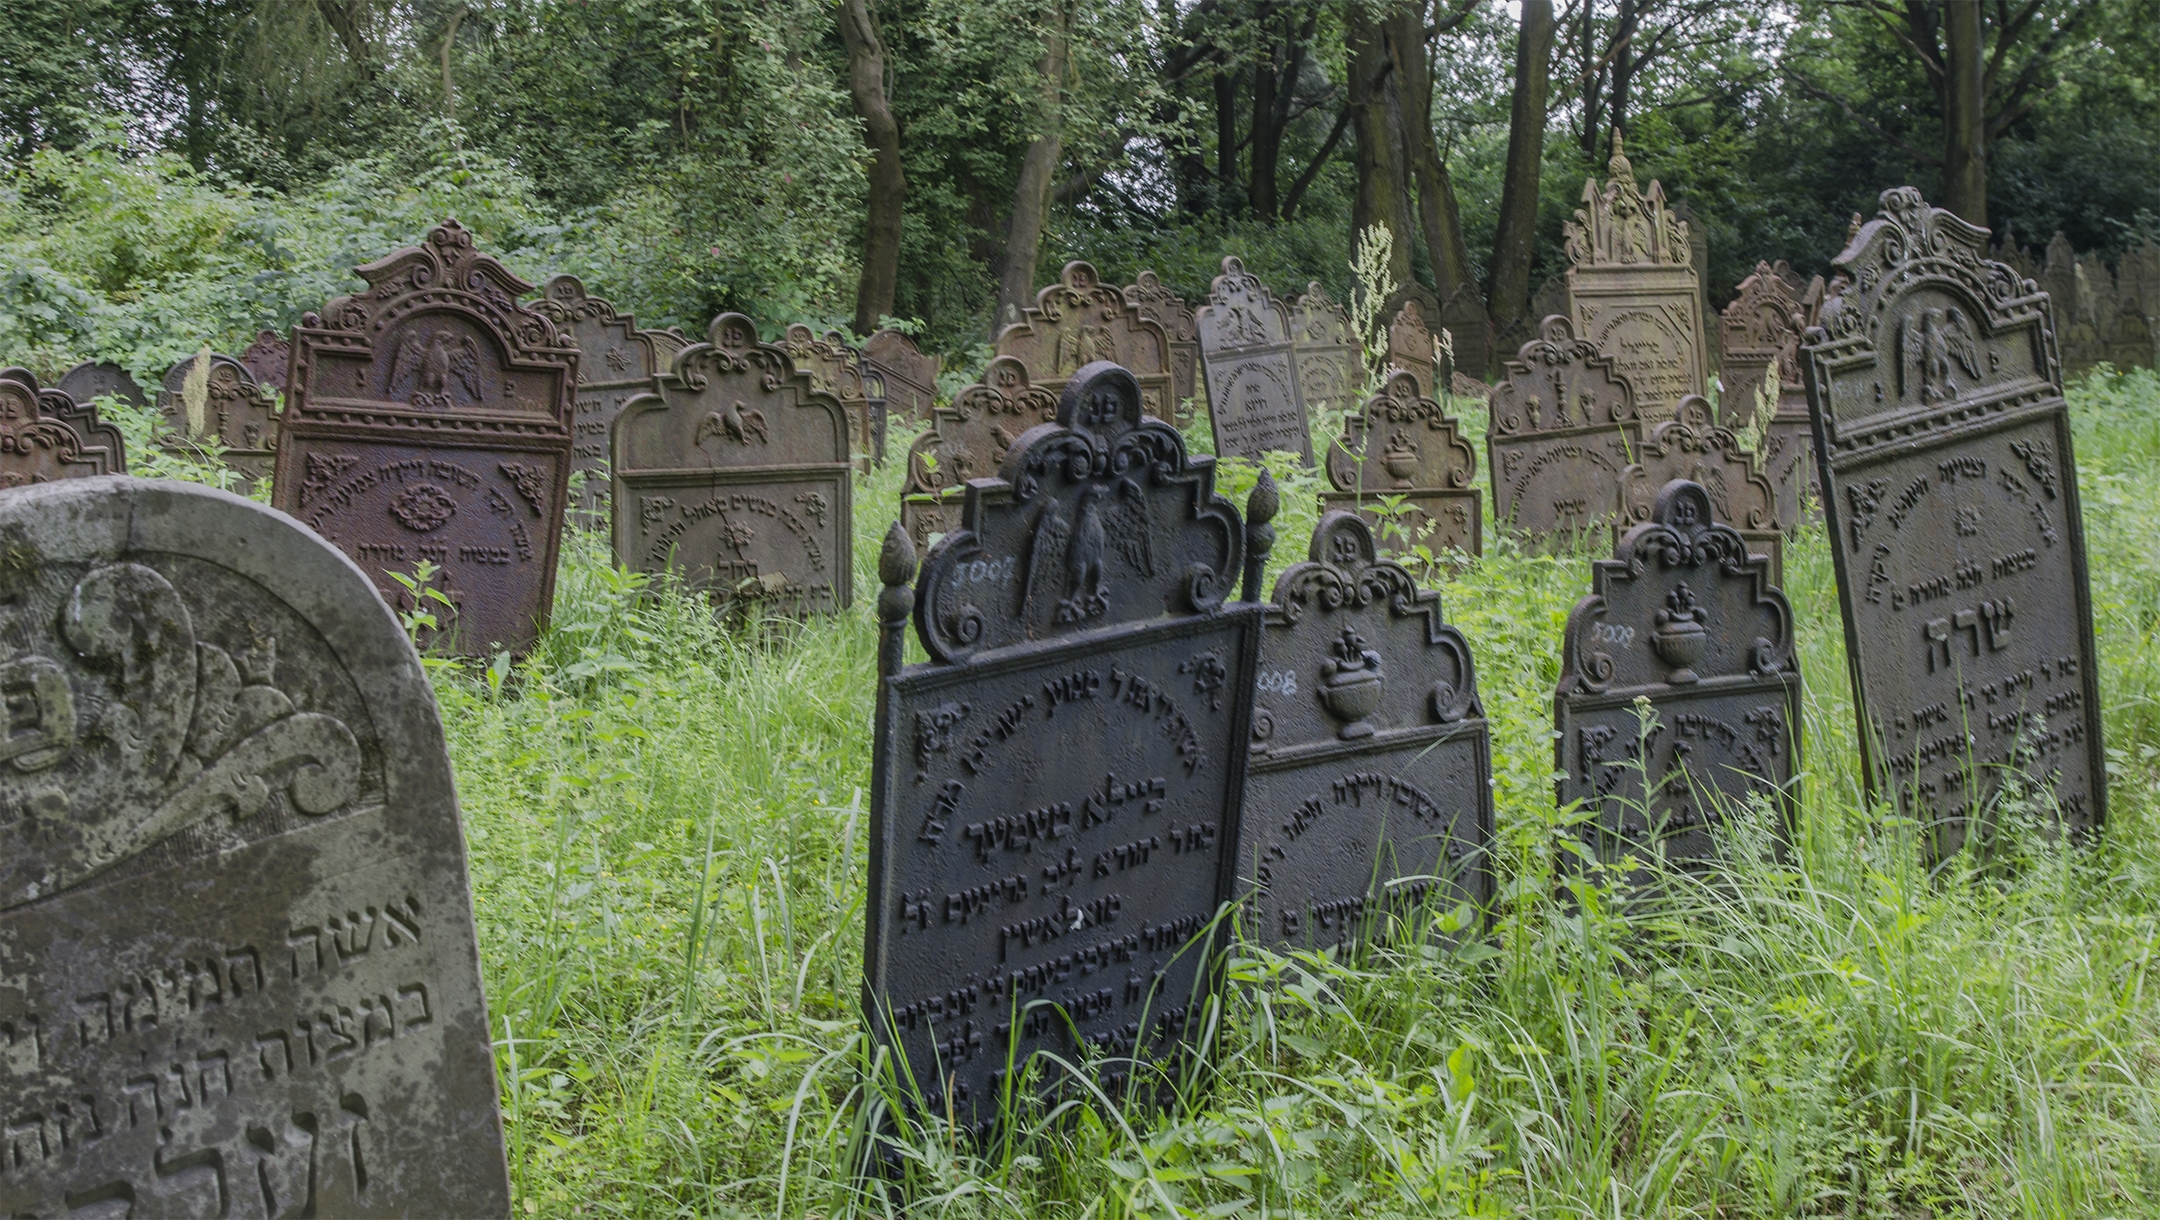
(210, 398)
(1761, 340)
(1155, 300)
(267, 358)
(1691, 446)
(616, 362)
(427, 419)
(909, 376)
(1330, 363)
(834, 368)
(1253, 401)
(1410, 346)
(45, 435)
(968, 440)
(1079, 320)
(1562, 429)
(1632, 289)
(1405, 465)
(735, 475)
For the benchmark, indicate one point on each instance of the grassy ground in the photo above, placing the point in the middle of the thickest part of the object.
(668, 827)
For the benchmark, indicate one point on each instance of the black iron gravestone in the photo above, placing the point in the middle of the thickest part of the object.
(968, 440)
(1679, 696)
(427, 419)
(616, 362)
(1952, 500)
(1154, 300)
(267, 359)
(1405, 465)
(1759, 380)
(1369, 797)
(89, 381)
(1330, 362)
(1410, 346)
(46, 435)
(1691, 446)
(910, 377)
(735, 475)
(1562, 430)
(1056, 792)
(1253, 401)
(241, 977)
(217, 400)
(1079, 320)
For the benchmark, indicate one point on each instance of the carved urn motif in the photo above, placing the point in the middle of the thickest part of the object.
(1350, 684)
(1681, 634)
(1400, 458)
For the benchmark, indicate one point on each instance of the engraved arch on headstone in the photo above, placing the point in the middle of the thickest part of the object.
(1098, 519)
(1691, 446)
(46, 435)
(1330, 359)
(1561, 426)
(1403, 443)
(1154, 299)
(1080, 320)
(233, 410)
(1254, 402)
(968, 439)
(94, 379)
(616, 361)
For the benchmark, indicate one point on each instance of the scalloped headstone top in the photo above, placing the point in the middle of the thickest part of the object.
(268, 358)
(46, 435)
(1402, 440)
(1623, 225)
(1410, 345)
(1080, 320)
(1558, 382)
(968, 440)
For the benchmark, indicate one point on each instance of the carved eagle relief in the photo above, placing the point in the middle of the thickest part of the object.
(1066, 578)
(435, 363)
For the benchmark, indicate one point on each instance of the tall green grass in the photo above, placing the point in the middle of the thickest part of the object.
(667, 828)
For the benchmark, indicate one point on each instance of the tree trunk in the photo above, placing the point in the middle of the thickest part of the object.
(343, 17)
(1509, 292)
(1437, 210)
(1226, 141)
(1031, 196)
(1623, 65)
(449, 82)
(1381, 197)
(886, 201)
(1964, 114)
(1593, 85)
(1266, 137)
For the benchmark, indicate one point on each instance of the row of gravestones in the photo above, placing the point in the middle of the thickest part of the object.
(1106, 761)
(1105, 753)
(2102, 315)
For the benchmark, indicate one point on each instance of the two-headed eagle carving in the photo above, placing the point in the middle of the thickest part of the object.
(1066, 580)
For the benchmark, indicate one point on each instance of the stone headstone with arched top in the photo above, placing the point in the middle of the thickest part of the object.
(1404, 464)
(1562, 429)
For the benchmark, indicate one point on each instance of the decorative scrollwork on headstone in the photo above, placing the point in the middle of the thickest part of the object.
(1330, 361)
(1080, 320)
(616, 361)
(910, 376)
(1633, 289)
(968, 440)
(1691, 446)
(46, 435)
(218, 401)
(91, 380)
(1155, 300)
(1760, 339)
(1562, 428)
(1254, 406)
(1403, 462)
(1410, 346)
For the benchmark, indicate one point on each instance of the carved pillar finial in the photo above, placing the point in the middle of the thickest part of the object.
(1260, 509)
(896, 568)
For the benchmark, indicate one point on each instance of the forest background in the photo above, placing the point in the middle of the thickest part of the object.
(176, 171)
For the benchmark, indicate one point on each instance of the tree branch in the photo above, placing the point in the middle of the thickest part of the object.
(1816, 91)
(1312, 168)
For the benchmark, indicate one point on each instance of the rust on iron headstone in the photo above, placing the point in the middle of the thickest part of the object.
(1080, 320)
(1691, 446)
(46, 435)
(910, 376)
(91, 380)
(1402, 443)
(1253, 403)
(222, 404)
(242, 978)
(1330, 361)
(1155, 300)
(1760, 334)
(833, 368)
(734, 474)
(1632, 289)
(968, 440)
(1952, 503)
(427, 419)
(1410, 346)
(1679, 696)
(267, 359)
(1369, 796)
(1562, 428)
(616, 362)
(1055, 794)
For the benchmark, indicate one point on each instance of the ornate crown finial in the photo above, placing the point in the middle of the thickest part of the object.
(1619, 166)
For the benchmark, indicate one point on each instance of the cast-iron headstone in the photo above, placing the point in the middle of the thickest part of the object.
(1410, 346)
(968, 440)
(225, 405)
(910, 376)
(1761, 337)
(1632, 288)
(267, 359)
(1155, 300)
(1330, 362)
(46, 435)
(1691, 446)
(91, 380)
(1253, 403)
(1402, 443)
(1562, 429)
(1079, 320)
(616, 362)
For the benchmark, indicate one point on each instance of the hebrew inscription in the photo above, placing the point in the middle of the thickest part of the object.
(1154, 300)
(1404, 464)
(1632, 288)
(1691, 446)
(1253, 400)
(46, 435)
(834, 368)
(616, 362)
(1410, 346)
(212, 399)
(1080, 320)
(1561, 431)
(1330, 362)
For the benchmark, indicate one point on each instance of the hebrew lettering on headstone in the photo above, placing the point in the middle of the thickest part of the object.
(1760, 334)
(834, 368)
(242, 976)
(616, 362)
(1080, 320)
(733, 473)
(1155, 300)
(1691, 446)
(1253, 401)
(1403, 463)
(1562, 429)
(1632, 288)
(1369, 800)
(1055, 793)
(267, 358)
(46, 435)
(427, 420)
(1952, 503)
(968, 440)
(221, 405)
(1330, 361)
(91, 380)
(910, 377)
(1679, 700)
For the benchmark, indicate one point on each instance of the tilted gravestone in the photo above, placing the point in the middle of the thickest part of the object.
(427, 419)
(1562, 430)
(218, 401)
(834, 368)
(46, 435)
(616, 362)
(1330, 362)
(1679, 696)
(1691, 446)
(1410, 346)
(1760, 333)
(1055, 794)
(1401, 443)
(1080, 320)
(1952, 502)
(734, 474)
(89, 381)
(1369, 798)
(1155, 300)
(1632, 288)
(909, 376)
(241, 972)
(1253, 402)
(968, 440)
(267, 359)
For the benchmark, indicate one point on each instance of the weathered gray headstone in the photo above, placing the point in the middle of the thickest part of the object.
(1402, 443)
(968, 440)
(1370, 792)
(1055, 794)
(1562, 429)
(1684, 619)
(1330, 361)
(910, 377)
(427, 419)
(1253, 401)
(1760, 334)
(1952, 500)
(240, 976)
(1691, 446)
(1410, 346)
(1079, 320)
(1155, 300)
(1469, 335)
(734, 475)
(616, 362)
(225, 405)
(1632, 288)
(834, 368)
(46, 435)
(91, 380)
